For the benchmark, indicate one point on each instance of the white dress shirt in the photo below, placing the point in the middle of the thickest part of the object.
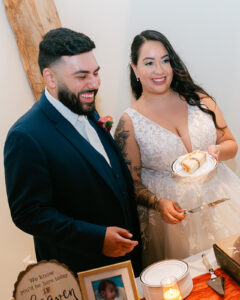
(80, 123)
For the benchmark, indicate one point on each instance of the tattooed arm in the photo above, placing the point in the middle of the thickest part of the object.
(125, 139)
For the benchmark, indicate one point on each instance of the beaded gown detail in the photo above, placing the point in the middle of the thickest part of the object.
(159, 148)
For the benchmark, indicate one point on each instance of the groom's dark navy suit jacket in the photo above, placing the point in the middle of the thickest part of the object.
(64, 193)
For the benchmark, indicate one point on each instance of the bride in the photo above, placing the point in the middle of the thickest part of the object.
(171, 117)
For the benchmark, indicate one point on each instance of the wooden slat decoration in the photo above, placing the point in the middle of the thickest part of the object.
(30, 20)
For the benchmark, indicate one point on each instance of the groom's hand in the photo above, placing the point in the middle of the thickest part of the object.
(117, 242)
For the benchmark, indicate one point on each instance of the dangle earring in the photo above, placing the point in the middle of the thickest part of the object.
(137, 78)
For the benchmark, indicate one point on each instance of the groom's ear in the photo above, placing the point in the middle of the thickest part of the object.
(50, 78)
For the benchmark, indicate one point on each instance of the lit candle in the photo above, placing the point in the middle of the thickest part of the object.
(172, 294)
(170, 288)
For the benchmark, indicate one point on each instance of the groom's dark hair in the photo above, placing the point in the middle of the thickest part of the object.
(59, 42)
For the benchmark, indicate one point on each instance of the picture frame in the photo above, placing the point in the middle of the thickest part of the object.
(117, 278)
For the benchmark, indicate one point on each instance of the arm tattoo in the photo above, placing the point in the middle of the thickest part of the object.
(143, 195)
(121, 137)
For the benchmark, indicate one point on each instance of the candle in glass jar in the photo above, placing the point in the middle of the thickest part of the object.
(172, 294)
(170, 288)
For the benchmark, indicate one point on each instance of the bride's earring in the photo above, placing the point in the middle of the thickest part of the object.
(137, 78)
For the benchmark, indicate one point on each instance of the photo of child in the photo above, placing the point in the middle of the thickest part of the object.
(109, 289)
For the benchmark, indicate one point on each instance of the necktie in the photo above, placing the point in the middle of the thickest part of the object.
(89, 133)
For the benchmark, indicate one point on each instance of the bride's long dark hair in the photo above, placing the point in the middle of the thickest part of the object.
(182, 82)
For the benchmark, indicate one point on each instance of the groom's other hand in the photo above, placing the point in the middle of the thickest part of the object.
(117, 242)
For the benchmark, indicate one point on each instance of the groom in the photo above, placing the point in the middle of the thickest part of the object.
(67, 182)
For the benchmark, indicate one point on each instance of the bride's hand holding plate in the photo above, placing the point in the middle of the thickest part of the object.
(214, 150)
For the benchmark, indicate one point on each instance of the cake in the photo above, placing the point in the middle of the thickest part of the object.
(193, 161)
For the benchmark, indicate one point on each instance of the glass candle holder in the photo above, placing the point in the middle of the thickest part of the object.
(170, 288)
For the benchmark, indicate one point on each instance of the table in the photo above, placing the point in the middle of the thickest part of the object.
(195, 265)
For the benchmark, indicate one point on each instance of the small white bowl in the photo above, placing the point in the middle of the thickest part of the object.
(151, 277)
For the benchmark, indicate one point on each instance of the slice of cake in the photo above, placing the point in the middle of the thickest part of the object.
(193, 161)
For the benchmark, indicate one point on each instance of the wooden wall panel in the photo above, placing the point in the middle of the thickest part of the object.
(30, 20)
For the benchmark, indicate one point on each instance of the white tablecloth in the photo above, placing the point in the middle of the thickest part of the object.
(195, 264)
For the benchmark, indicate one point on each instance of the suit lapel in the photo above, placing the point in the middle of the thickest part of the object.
(95, 118)
(73, 137)
(115, 148)
(118, 152)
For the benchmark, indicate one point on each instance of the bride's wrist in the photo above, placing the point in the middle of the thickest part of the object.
(160, 204)
(153, 202)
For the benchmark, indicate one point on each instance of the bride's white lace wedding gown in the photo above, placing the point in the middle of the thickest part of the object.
(159, 148)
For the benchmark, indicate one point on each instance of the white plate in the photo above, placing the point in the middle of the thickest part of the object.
(206, 168)
(156, 272)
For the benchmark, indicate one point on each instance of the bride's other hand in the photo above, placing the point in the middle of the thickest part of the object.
(214, 150)
(170, 211)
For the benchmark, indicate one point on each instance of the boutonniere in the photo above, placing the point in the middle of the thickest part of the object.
(105, 122)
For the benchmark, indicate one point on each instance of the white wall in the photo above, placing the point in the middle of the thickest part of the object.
(204, 33)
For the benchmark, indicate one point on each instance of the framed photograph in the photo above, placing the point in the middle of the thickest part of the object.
(115, 282)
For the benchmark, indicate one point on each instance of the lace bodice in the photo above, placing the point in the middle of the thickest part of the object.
(159, 147)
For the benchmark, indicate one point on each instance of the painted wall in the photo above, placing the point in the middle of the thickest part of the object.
(204, 33)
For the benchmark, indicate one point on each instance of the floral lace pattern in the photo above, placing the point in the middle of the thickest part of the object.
(159, 148)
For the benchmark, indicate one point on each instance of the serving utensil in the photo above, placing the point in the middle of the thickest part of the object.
(204, 206)
(216, 283)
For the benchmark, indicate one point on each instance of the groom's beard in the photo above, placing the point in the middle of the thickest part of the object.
(74, 103)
